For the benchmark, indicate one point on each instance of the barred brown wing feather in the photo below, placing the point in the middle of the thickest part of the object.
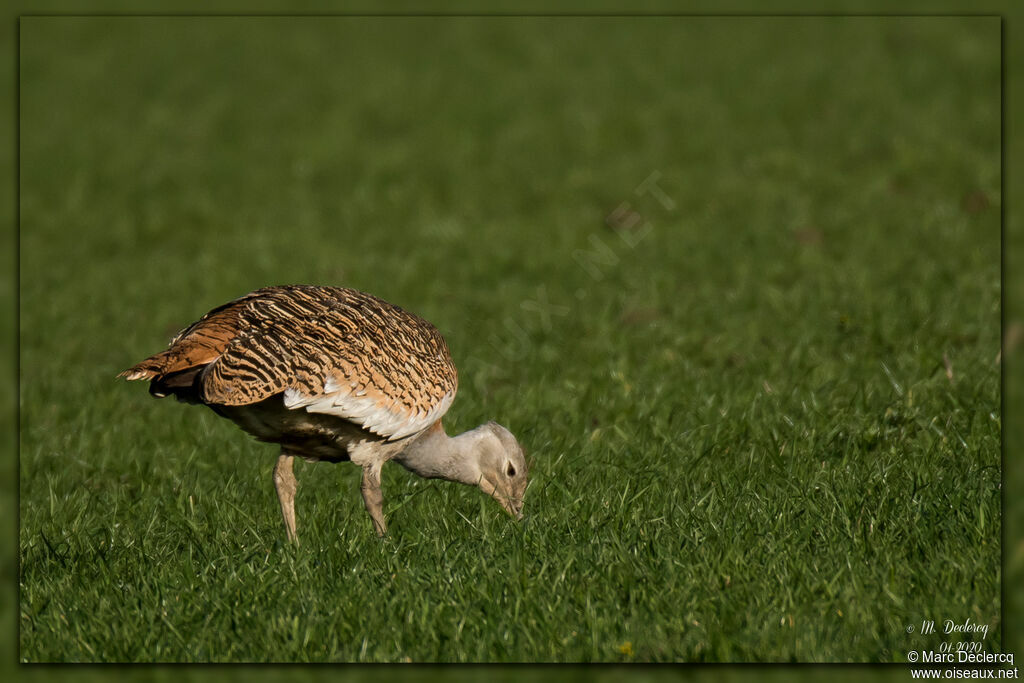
(339, 352)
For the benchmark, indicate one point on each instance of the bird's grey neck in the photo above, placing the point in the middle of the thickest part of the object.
(435, 455)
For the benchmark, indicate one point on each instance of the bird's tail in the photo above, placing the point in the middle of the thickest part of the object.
(147, 369)
(166, 377)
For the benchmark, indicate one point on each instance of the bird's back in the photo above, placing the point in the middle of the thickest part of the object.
(331, 351)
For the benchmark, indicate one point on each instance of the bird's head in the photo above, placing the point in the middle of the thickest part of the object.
(503, 467)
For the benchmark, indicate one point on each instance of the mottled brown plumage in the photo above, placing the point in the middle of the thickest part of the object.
(385, 369)
(334, 374)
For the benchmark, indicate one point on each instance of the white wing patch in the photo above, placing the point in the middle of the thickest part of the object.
(389, 419)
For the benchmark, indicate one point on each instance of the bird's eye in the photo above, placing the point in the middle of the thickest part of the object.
(511, 470)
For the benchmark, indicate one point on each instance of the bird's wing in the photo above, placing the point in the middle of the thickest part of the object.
(334, 351)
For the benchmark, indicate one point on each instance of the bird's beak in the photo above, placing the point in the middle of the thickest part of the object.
(512, 506)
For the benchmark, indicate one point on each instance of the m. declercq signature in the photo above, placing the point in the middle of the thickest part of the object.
(950, 626)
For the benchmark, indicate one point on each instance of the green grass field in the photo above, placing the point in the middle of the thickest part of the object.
(734, 284)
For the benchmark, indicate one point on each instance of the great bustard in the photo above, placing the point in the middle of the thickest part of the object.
(335, 374)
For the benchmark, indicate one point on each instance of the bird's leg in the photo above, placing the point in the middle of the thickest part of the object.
(284, 482)
(373, 498)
